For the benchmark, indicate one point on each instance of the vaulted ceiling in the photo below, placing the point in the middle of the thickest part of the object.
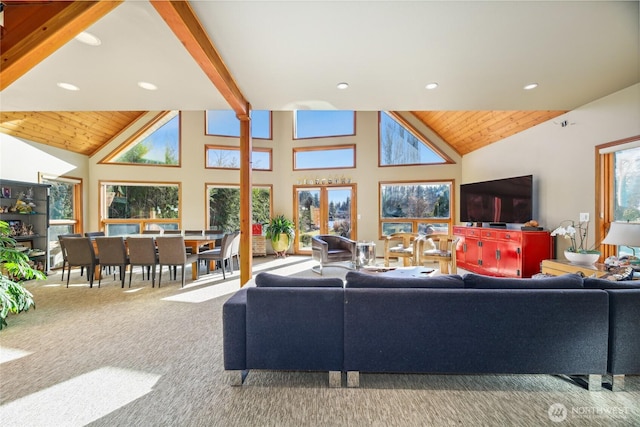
(291, 55)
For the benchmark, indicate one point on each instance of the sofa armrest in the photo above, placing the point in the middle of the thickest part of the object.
(234, 326)
(624, 331)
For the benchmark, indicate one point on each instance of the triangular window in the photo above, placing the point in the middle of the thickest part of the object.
(402, 144)
(158, 143)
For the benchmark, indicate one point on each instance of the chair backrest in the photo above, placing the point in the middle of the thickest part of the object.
(79, 251)
(142, 250)
(151, 232)
(111, 250)
(194, 232)
(61, 238)
(235, 244)
(171, 250)
(94, 234)
(225, 245)
(172, 232)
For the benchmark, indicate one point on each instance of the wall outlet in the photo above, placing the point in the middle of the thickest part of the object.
(584, 217)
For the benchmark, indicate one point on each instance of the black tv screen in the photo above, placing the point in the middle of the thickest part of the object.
(506, 200)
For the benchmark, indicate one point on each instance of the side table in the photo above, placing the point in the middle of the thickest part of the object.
(557, 267)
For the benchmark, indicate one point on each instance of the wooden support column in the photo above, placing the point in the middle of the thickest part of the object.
(246, 250)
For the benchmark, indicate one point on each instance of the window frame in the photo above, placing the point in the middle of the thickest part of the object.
(295, 127)
(605, 189)
(206, 127)
(208, 147)
(297, 150)
(133, 139)
(141, 222)
(415, 222)
(394, 115)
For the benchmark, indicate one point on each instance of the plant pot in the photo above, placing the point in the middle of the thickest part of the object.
(281, 245)
(586, 258)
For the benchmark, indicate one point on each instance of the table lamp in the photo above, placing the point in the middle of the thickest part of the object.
(624, 234)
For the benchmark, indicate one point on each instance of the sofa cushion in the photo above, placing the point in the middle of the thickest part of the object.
(268, 280)
(593, 283)
(356, 279)
(566, 281)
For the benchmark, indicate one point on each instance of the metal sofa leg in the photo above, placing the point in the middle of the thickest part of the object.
(236, 377)
(617, 382)
(335, 379)
(353, 379)
(595, 382)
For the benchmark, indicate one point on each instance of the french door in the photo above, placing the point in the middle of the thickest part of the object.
(323, 209)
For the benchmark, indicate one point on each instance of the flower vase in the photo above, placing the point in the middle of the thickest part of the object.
(582, 258)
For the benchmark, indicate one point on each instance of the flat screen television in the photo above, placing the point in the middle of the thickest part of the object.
(506, 200)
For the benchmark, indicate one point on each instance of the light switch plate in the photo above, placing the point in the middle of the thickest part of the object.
(584, 217)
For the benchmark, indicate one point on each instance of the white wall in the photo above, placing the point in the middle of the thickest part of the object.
(562, 160)
(22, 160)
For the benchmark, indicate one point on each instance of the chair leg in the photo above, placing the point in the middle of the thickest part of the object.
(68, 274)
(160, 276)
(153, 278)
(131, 273)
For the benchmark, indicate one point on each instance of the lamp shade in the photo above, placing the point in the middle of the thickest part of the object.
(623, 234)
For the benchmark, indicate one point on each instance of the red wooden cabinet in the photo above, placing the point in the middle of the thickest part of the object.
(498, 252)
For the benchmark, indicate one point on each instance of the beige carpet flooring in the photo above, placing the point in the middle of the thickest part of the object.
(153, 357)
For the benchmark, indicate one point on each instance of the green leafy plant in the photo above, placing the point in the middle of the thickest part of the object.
(14, 268)
(280, 225)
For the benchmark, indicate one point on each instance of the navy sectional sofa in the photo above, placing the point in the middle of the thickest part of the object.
(444, 324)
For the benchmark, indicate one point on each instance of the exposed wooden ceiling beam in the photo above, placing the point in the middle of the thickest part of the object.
(53, 25)
(186, 26)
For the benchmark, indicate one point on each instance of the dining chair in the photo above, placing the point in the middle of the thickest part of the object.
(142, 252)
(113, 253)
(63, 251)
(194, 232)
(80, 253)
(151, 232)
(172, 232)
(401, 246)
(439, 248)
(235, 250)
(221, 254)
(93, 234)
(172, 253)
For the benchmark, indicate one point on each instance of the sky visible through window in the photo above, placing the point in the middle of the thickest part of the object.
(323, 123)
(225, 123)
(399, 146)
(329, 158)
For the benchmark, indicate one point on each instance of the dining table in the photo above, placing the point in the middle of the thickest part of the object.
(196, 243)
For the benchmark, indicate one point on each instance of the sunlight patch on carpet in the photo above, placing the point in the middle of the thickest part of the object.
(80, 400)
(8, 354)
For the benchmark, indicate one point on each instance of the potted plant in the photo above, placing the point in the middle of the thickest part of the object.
(14, 268)
(280, 231)
(579, 251)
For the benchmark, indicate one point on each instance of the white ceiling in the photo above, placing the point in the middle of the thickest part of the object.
(291, 54)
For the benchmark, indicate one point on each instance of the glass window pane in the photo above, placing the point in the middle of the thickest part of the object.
(225, 123)
(229, 158)
(433, 228)
(329, 158)
(140, 201)
(400, 146)
(122, 229)
(627, 191)
(323, 123)
(396, 227)
(416, 200)
(158, 145)
(224, 207)
(61, 198)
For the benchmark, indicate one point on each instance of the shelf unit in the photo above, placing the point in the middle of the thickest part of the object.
(32, 228)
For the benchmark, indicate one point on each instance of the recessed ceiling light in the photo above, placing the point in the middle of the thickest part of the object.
(342, 85)
(88, 38)
(67, 86)
(531, 86)
(147, 86)
(431, 85)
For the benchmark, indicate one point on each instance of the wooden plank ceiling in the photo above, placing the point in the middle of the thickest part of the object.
(83, 132)
(37, 29)
(467, 131)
